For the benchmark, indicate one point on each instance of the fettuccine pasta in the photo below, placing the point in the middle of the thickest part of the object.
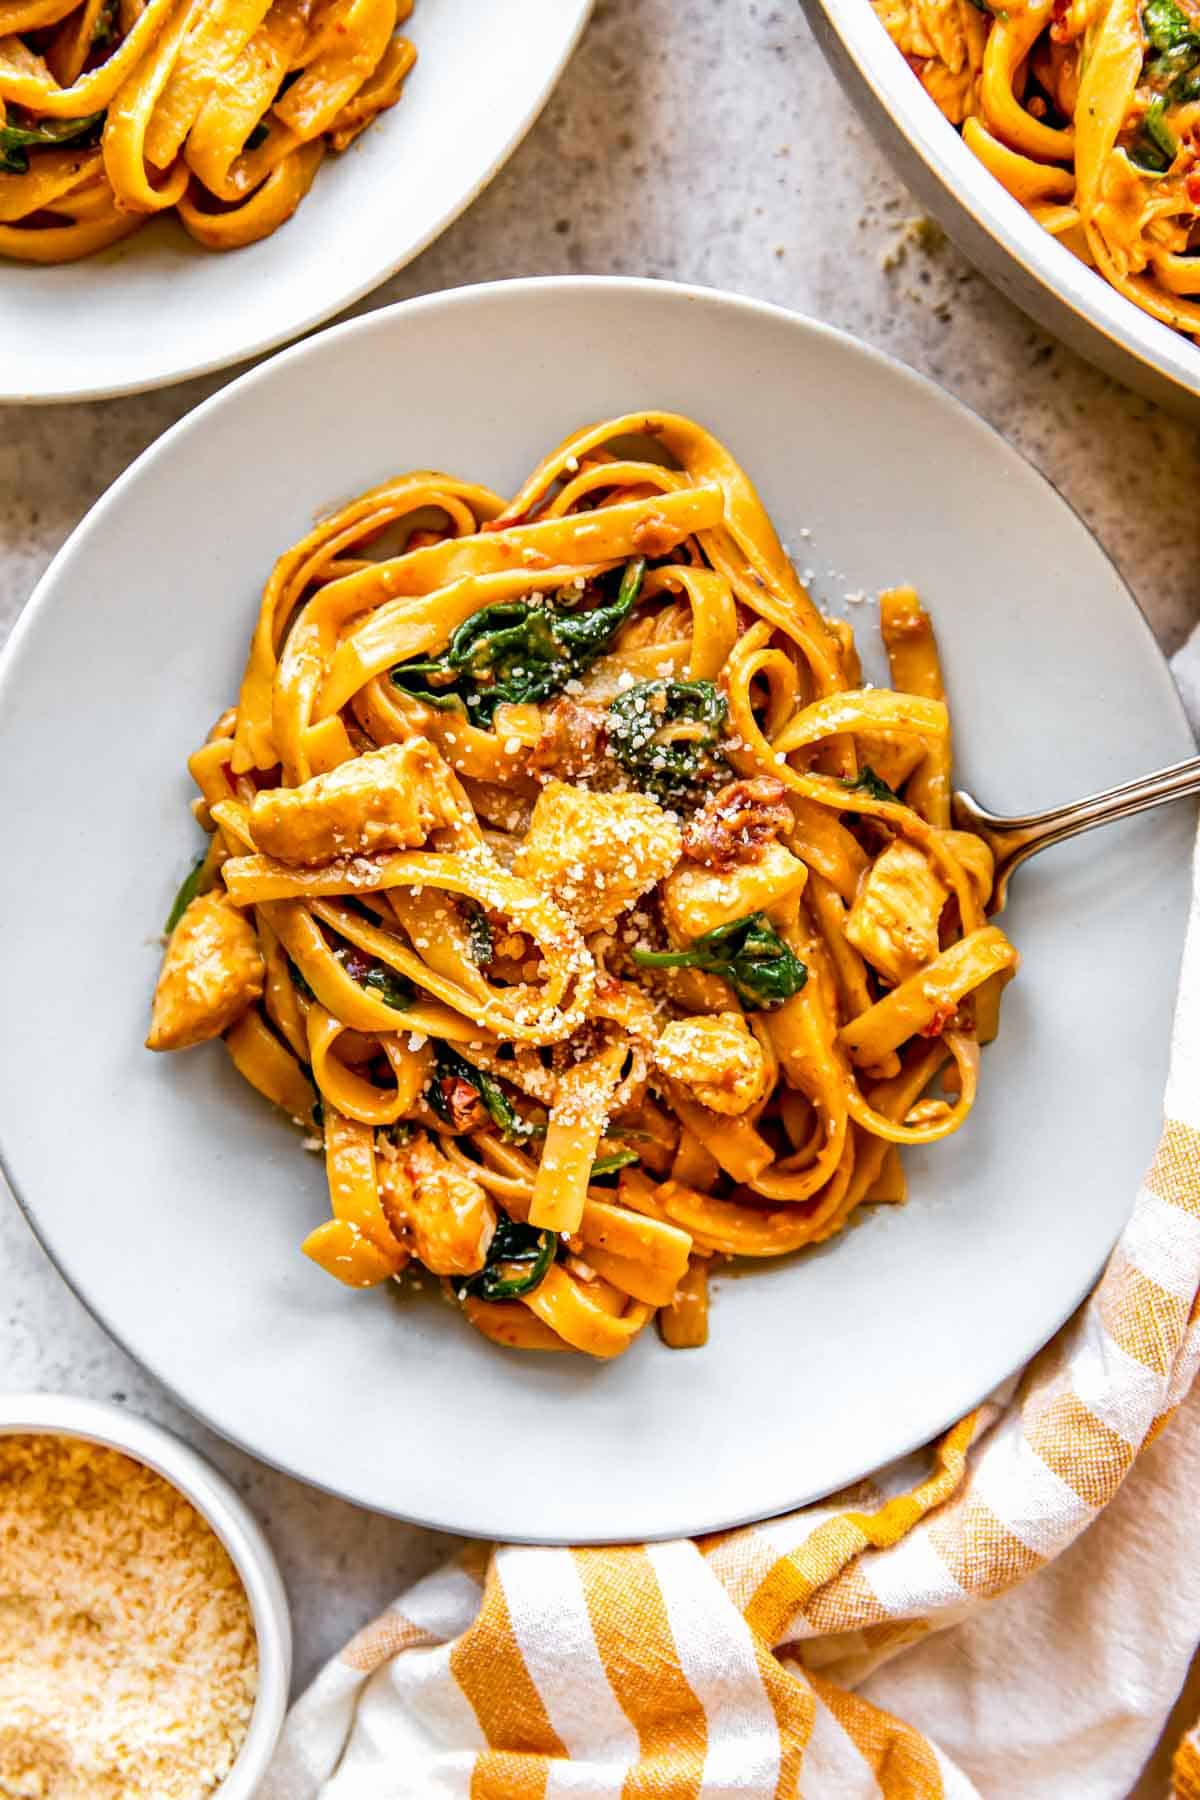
(221, 110)
(1087, 112)
(564, 876)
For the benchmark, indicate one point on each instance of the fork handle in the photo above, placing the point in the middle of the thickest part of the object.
(1014, 840)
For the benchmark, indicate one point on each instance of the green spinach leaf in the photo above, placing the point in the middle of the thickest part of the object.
(748, 953)
(518, 1259)
(608, 1165)
(1166, 25)
(188, 888)
(518, 651)
(18, 135)
(663, 733)
(376, 977)
(868, 782)
(1157, 145)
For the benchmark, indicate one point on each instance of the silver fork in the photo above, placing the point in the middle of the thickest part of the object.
(1013, 841)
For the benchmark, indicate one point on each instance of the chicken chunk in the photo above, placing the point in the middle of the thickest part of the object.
(717, 1058)
(894, 920)
(596, 853)
(212, 971)
(696, 899)
(389, 799)
(443, 1215)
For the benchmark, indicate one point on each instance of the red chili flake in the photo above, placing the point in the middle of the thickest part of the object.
(939, 1022)
(462, 1103)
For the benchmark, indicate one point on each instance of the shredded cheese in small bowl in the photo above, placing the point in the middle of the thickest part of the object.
(144, 1643)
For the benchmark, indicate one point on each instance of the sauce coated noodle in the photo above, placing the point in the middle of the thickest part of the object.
(1087, 112)
(114, 110)
(563, 876)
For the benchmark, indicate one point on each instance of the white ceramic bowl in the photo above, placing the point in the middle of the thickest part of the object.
(1032, 268)
(158, 308)
(175, 1199)
(65, 1416)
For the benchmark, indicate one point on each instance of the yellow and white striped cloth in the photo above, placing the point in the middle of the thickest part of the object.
(728, 1666)
(1187, 1767)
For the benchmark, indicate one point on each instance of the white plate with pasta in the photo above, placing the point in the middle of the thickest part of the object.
(659, 1137)
(184, 185)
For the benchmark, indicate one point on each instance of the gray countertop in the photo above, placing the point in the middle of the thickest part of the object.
(704, 142)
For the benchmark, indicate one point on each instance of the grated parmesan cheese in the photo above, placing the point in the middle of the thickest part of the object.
(128, 1661)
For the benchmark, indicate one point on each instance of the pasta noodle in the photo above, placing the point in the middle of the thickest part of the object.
(222, 110)
(563, 872)
(1087, 112)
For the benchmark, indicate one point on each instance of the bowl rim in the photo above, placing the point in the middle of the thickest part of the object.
(1169, 354)
(223, 1509)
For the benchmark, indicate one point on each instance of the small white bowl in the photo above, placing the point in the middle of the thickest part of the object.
(233, 1523)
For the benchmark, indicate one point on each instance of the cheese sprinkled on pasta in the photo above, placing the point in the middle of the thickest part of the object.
(562, 870)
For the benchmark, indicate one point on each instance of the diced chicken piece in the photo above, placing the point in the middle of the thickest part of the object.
(954, 94)
(718, 1059)
(696, 900)
(443, 1215)
(596, 853)
(736, 822)
(894, 920)
(212, 971)
(943, 42)
(389, 799)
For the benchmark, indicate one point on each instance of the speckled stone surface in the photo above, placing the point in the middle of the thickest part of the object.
(702, 141)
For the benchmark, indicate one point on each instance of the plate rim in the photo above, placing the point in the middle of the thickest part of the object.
(321, 315)
(466, 1521)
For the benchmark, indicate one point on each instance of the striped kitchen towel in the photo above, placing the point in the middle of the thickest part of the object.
(767, 1661)
(729, 1666)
